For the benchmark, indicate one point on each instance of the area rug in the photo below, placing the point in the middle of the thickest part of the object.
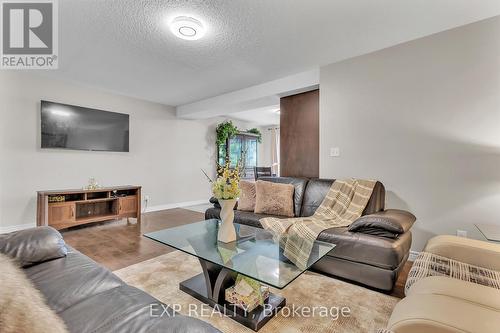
(368, 310)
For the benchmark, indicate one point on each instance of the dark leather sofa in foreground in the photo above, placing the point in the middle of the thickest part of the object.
(88, 297)
(371, 251)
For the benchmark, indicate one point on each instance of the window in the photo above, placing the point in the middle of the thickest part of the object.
(242, 145)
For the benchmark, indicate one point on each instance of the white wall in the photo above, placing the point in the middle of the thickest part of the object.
(424, 118)
(265, 159)
(165, 157)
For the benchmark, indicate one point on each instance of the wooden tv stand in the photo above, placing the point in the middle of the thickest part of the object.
(62, 209)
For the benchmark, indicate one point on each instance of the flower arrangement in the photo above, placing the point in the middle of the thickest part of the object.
(226, 186)
(226, 190)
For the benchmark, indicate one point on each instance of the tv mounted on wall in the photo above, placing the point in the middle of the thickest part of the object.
(79, 128)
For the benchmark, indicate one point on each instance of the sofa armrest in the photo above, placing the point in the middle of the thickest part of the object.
(34, 245)
(465, 290)
(431, 313)
(215, 202)
(466, 250)
(386, 223)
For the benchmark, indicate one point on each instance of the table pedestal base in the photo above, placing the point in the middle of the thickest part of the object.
(209, 287)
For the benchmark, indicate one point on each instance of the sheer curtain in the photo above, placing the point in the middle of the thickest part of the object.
(275, 151)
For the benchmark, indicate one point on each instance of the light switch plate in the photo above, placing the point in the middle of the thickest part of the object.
(335, 152)
(462, 233)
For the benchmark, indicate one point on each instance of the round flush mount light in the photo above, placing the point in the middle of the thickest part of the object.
(186, 27)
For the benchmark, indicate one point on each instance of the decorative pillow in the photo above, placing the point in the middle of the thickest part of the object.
(34, 245)
(274, 198)
(247, 196)
(394, 221)
(22, 307)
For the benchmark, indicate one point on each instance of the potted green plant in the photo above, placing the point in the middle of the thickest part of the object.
(256, 132)
(225, 131)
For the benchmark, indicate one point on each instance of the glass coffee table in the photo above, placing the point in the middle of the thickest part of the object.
(490, 231)
(254, 254)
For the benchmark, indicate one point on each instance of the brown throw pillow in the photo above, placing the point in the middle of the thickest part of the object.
(22, 307)
(274, 198)
(247, 196)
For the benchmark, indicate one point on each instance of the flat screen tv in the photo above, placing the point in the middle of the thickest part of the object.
(75, 127)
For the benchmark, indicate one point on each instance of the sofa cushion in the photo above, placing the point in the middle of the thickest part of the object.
(299, 185)
(377, 200)
(127, 309)
(317, 189)
(431, 313)
(34, 245)
(69, 280)
(468, 291)
(22, 307)
(90, 298)
(367, 249)
(430, 264)
(314, 194)
(274, 198)
(376, 277)
(247, 198)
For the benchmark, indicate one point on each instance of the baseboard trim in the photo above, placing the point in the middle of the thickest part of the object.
(4, 230)
(175, 205)
(413, 255)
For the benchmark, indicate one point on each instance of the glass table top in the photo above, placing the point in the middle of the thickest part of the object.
(254, 253)
(490, 231)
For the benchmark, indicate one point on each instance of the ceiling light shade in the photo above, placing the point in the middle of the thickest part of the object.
(186, 27)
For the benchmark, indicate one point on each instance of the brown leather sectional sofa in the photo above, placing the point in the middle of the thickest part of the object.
(371, 251)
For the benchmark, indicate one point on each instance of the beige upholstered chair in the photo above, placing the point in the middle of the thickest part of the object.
(466, 250)
(443, 304)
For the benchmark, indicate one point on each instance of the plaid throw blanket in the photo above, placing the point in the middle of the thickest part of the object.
(343, 204)
(429, 264)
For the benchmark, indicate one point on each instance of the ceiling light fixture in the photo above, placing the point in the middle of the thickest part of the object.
(188, 28)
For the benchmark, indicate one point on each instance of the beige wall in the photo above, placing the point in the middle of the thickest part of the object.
(165, 157)
(424, 118)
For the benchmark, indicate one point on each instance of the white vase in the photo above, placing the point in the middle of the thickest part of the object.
(227, 233)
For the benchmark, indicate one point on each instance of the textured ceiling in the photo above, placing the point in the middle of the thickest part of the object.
(125, 45)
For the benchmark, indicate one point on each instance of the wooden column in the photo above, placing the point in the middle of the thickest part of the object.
(299, 135)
